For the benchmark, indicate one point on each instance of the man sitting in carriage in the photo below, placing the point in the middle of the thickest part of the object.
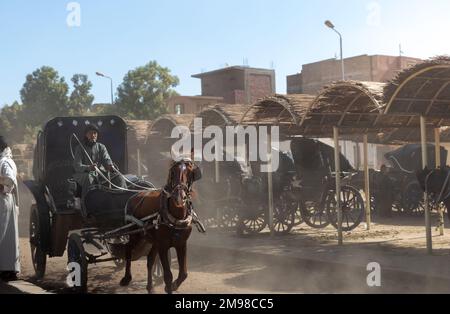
(88, 157)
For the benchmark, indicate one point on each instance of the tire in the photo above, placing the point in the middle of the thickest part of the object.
(38, 232)
(76, 254)
(284, 214)
(352, 205)
(412, 199)
(229, 217)
(253, 222)
(314, 215)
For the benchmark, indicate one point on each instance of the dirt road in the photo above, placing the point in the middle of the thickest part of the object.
(231, 272)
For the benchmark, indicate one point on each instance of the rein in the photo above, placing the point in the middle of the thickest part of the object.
(100, 173)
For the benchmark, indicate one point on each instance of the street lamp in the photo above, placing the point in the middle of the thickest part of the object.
(105, 76)
(329, 24)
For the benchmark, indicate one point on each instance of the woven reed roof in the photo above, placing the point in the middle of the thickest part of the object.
(222, 114)
(285, 111)
(164, 125)
(423, 89)
(352, 106)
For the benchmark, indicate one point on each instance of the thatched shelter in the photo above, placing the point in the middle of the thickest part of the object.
(285, 111)
(222, 115)
(163, 126)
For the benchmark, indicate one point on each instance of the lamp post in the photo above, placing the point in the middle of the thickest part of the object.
(330, 25)
(105, 76)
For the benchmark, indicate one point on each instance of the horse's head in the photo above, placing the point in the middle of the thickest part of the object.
(179, 182)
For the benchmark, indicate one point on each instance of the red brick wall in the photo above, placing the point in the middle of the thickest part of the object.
(231, 85)
(260, 86)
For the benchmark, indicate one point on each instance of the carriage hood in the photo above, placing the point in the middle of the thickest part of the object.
(313, 155)
(409, 157)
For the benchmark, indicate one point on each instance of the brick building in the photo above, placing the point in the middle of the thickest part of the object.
(376, 68)
(237, 84)
(190, 104)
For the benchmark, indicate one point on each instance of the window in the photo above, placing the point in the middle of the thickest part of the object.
(179, 108)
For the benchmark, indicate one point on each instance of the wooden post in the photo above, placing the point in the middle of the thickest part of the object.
(423, 132)
(367, 182)
(270, 181)
(217, 170)
(337, 167)
(139, 167)
(437, 139)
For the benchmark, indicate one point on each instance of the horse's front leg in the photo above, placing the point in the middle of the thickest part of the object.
(151, 258)
(182, 264)
(164, 257)
(127, 278)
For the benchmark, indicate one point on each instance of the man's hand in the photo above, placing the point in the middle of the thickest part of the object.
(93, 167)
(110, 168)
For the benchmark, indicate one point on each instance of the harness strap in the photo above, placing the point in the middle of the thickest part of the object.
(443, 188)
(134, 220)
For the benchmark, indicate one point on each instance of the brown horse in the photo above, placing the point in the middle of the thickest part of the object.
(167, 234)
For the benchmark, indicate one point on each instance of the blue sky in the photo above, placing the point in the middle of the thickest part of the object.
(191, 36)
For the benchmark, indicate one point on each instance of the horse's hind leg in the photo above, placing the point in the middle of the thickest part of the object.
(151, 258)
(168, 277)
(127, 278)
(182, 264)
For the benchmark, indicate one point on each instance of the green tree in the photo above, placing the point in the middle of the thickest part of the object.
(80, 100)
(11, 122)
(145, 91)
(44, 96)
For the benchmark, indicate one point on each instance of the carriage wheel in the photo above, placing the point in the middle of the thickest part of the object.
(314, 215)
(76, 254)
(37, 230)
(352, 205)
(253, 222)
(284, 214)
(413, 202)
(229, 218)
(298, 217)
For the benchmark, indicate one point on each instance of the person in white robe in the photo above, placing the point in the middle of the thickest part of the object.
(9, 212)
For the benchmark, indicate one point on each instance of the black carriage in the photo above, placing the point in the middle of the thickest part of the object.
(59, 219)
(315, 187)
(406, 192)
(219, 200)
(253, 216)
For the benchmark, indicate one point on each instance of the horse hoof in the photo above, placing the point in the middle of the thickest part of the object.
(150, 290)
(175, 286)
(168, 291)
(125, 281)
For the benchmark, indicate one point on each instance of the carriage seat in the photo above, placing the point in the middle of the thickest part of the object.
(107, 207)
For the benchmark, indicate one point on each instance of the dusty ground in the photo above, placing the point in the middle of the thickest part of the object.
(277, 271)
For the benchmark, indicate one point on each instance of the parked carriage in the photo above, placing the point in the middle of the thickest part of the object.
(253, 217)
(315, 187)
(405, 188)
(219, 195)
(304, 191)
(56, 221)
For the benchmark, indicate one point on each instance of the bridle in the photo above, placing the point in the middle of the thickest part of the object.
(176, 188)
